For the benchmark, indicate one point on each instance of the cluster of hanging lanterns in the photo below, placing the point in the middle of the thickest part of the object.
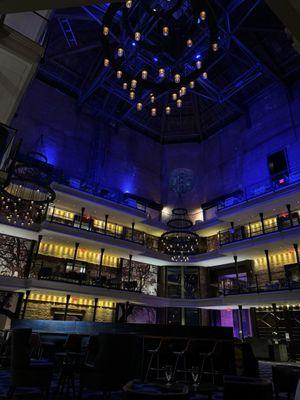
(176, 84)
(25, 198)
(180, 242)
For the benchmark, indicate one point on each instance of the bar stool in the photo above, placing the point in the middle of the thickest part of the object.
(208, 357)
(180, 356)
(155, 355)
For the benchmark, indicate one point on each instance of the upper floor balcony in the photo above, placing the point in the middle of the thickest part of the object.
(263, 196)
(104, 228)
(276, 223)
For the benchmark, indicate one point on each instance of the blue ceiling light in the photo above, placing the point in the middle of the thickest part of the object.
(133, 44)
(198, 56)
(155, 59)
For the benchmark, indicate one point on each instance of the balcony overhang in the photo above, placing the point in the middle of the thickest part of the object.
(247, 300)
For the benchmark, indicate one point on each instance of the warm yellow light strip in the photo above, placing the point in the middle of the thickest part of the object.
(60, 251)
(63, 214)
(74, 300)
(279, 259)
(57, 212)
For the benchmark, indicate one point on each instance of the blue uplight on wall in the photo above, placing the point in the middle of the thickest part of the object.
(127, 185)
(51, 153)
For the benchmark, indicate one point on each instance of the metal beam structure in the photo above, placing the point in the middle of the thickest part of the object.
(16, 6)
(237, 72)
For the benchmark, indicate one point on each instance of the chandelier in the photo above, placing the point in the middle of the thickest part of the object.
(24, 200)
(180, 242)
(176, 50)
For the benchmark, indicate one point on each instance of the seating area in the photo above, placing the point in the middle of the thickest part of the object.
(137, 366)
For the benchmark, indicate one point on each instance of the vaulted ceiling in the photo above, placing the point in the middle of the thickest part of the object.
(255, 52)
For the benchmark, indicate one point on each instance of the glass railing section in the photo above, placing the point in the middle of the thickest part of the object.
(269, 185)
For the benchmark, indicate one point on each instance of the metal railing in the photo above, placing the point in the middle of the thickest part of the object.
(265, 186)
(259, 284)
(109, 229)
(282, 222)
(112, 280)
(99, 191)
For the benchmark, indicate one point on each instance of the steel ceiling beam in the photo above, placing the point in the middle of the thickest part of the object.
(16, 6)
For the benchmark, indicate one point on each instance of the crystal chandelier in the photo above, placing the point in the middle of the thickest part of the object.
(180, 242)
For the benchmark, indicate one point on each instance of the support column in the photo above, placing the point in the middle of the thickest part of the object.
(81, 216)
(261, 216)
(129, 267)
(268, 265)
(30, 259)
(75, 255)
(297, 255)
(67, 306)
(53, 212)
(132, 231)
(288, 206)
(25, 303)
(95, 309)
(40, 238)
(105, 223)
(236, 271)
(101, 262)
(241, 329)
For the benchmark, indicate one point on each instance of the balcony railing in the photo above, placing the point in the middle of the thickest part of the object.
(111, 230)
(281, 222)
(269, 185)
(258, 285)
(82, 279)
(99, 191)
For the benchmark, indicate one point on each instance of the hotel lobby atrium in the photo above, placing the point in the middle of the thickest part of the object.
(150, 199)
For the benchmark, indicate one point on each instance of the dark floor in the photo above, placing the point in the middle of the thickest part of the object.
(26, 393)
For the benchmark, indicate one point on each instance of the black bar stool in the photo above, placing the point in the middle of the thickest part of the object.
(181, 358)
(208, 358)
